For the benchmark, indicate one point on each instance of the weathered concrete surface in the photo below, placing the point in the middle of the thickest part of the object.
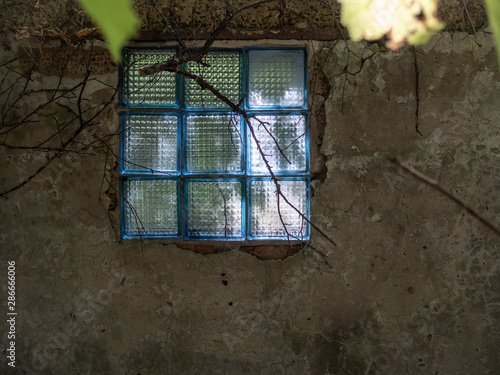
(63, 18)
(426, 272)
(413, 286)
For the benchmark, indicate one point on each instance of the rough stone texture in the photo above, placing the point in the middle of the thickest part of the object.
(276, 15)
(463, 15)
(413, 286)
(66, 59)
(427, 269)
(62, 18)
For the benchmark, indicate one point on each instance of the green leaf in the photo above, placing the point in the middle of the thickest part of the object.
(117, 20)
(401, 21)
(493, 10)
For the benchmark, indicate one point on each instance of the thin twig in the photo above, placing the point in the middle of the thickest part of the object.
(236, 109)
(197, 55)
(471, 23)
(168, 25)
(83, 117)
(435, 184)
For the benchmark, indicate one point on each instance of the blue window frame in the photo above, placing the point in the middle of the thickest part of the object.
(192, 169)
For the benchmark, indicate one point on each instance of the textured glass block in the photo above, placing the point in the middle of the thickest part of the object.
(150, 143)
(150, 207)
(222, 72)
(213, 143)
(214, 209)
(264, 215)
(282, 139)
(276, 78)
(158, 89)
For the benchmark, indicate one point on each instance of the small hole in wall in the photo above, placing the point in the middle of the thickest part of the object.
(421, 363)
(230, 304)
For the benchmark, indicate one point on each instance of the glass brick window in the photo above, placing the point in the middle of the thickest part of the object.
(192, 169)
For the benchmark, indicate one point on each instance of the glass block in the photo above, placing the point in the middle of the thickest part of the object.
(150, 143)
(265, 219)
(282, 139)
(150, 207)
(276, 78)
(147, 91)
(222, 72)
(214, 209)
(213, 143)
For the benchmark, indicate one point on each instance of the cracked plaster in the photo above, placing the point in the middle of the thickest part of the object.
(413, 287)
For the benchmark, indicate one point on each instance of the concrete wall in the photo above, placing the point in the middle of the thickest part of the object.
(412, 287)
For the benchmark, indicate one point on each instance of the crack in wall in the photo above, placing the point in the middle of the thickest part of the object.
(417, 97)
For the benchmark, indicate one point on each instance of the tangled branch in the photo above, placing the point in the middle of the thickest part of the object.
(18, 89)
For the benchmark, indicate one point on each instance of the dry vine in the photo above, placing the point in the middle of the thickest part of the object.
(437, 186)
(18, 88)
(68, 138)
(174, 65)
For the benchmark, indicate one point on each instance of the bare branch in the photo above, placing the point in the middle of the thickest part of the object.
(197, 55)
(168, 24)
(29, 178)
(471, 23)
(83, 115)
(237, 109)
(435, 185)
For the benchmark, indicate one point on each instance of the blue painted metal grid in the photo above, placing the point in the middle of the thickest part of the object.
(283, 139)
(276, 78)
(265, 221)
(138, 91)
(214, 208)
(150, 143)
(223, 70)
(150, 207)
(212, 142)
